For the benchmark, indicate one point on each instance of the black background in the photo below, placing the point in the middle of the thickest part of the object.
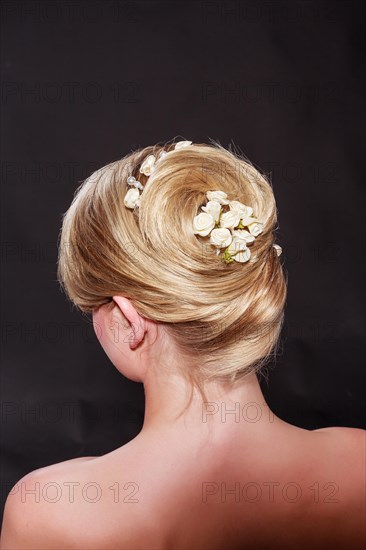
(83, 84)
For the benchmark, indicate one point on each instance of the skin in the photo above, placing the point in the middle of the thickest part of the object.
(166, 489)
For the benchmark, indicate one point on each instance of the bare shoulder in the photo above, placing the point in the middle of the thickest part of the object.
(29, 504)
(355, 433)
(346, 451)
(344, 476)
(351, 441)
(62, 505)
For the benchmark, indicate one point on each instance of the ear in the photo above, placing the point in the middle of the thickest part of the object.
(136, 321)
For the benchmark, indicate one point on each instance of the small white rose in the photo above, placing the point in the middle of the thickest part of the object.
(213, 208)
(244, 234)
(181, 144)
(218, 196)
(220, 237)
(230, 219)
(246, 221)
(161, 155)
(246, 211)
(148, 165)
(132, 198)
(255, 228)
(242, 256)
(202, 224)
(278, 249)
(237, 245)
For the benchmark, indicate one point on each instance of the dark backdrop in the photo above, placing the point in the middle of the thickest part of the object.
(83, 83)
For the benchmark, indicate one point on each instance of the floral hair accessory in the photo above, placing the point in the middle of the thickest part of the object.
(231, 226)
(148, 165)
(278, 249)
(132, 197)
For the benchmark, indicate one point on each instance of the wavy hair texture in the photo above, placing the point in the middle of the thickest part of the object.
(225, 319)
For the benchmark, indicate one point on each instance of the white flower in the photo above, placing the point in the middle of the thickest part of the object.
(243, 234)
(246, 211)
(237, 245)
(132, 198)
(230, 219)
(246, 221)
(162, 154)
(181, 144)
(239, 250)
(202, 224)
(213, 208)
(242, 256)
(218, 196)
(278, 249)
(220, 237)
(148, 165)
(255, 228)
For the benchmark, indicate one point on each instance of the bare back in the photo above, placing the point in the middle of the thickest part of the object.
(301, 489)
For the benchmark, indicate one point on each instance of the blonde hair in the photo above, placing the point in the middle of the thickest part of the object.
(225, 319)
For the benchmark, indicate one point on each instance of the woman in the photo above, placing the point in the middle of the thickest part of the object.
(172, 250)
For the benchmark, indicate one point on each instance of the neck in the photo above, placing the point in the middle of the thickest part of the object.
(227, 410)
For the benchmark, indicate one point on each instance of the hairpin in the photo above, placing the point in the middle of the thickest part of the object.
(132, 197)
